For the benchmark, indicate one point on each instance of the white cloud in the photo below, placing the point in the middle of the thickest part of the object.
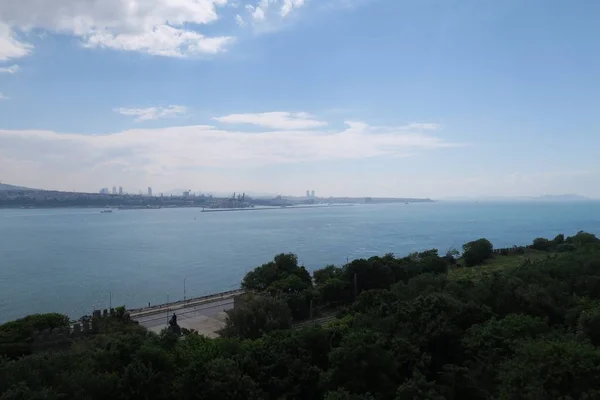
(258, 14)
(3, 97)
(267, 15)
(10, 47)
(239, 20)
(289, 5)
(13, 69)
(422, 126)
(151, 113)
(178, 152)
(158, 27)
(162, 41)
(274, 120)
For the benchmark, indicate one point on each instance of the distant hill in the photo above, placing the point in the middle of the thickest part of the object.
(547, 197)
(563, 197)
(6, 187)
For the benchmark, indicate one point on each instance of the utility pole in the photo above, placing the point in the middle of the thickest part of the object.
(184, 288)
(109, 300)
(167, 308)
(355, 286)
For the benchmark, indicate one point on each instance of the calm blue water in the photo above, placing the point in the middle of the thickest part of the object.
(70, 260)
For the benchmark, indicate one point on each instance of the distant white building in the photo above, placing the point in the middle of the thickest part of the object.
(312, 194)
(114, 191)
(120, 189)
(149, 191)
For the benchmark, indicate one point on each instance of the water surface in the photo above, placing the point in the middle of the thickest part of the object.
(72, 260)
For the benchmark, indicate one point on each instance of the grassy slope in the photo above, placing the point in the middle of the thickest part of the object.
(496, 264)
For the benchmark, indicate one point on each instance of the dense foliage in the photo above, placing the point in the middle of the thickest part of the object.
(406, 328)
(477, 251)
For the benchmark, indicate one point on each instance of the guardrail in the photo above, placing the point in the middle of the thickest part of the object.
(160, 307)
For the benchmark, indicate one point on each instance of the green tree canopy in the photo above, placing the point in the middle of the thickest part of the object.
(477, 251)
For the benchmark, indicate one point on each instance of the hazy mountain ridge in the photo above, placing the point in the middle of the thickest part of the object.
(546, 197)
(7, 187)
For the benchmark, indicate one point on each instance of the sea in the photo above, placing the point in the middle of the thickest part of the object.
(75, 260)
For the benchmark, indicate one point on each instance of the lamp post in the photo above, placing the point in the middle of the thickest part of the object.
(167, 308)
(184, 298)
(109, 300)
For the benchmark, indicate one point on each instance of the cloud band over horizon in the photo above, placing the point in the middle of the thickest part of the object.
(162, 152)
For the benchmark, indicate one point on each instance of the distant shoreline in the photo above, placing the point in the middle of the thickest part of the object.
(205, 209)
(275, 208)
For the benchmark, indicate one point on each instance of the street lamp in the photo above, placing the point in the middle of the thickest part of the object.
(109, 300)
(167, 308)
(184, 289)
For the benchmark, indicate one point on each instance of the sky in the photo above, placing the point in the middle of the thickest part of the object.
(427, 98)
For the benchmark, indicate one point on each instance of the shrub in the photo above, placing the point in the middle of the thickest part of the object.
(477, 251)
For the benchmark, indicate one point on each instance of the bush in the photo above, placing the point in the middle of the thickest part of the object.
(16, 336)
(541, 244)
(582, 238)
(565, 248)
(477, 251)
(559, 239)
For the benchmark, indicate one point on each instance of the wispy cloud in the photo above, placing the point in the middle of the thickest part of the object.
(274, 120)
(240, 20)
(168, 152)
(289, 5)
(422, 126)
(269, 15)
(152, 113)
(3, 97)
(13, 69)
(10, 47)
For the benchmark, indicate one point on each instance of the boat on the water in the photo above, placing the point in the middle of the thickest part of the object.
(106, 211)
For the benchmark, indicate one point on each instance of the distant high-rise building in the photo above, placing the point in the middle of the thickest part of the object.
(121, 190)
(312, 194)
(149, 191)
(308, 193)
(114, 190)
(104, 191)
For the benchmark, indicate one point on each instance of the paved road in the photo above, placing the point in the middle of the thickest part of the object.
(189, 315)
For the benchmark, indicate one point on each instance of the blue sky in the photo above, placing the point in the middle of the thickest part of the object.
(428, 98)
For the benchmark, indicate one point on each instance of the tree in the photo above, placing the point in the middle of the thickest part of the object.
(558, 240)
(541, 244)
(551, 369)
(342, 394)
(582, 238)
(321, 276)
(477, 251)
(16, 337)
(418, 388)
(282, 275)
(589, 326)
(256, 316)
(362, 364)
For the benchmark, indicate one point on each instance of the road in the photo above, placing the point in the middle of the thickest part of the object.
(206, 318)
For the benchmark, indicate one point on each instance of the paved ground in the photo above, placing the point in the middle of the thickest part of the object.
(206, 318)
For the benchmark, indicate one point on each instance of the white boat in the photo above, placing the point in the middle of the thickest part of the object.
(106, 211)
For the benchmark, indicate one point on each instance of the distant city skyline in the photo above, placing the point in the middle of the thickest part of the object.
(344, 97)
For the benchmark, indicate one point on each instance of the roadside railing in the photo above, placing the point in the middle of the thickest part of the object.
(159, 307)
